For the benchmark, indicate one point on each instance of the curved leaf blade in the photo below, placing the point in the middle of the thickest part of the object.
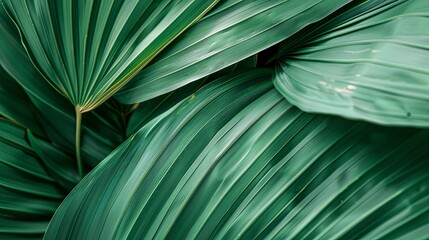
(233, 31)
(148, 110)
(239, 161)
(206, 106)
(369, 64)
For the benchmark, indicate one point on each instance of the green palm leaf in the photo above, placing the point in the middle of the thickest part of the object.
(29, 195)
(102, 129)
(239, 161)
(148, 110)
(231, 32)
(215, 151)
(53, 119)
(15, 104)
(16, 63)
(369, 62)
(60, 165)
(87, 50)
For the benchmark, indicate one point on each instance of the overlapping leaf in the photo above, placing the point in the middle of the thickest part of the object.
(29, 195)
(231, 32)
(87, 50)
(150, 109)
(16, 63)
(370, 62)
(238, 161)
(15, 104)
(103, 129)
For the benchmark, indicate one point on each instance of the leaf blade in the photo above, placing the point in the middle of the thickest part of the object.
(353, 69)
(126, 36)
(29, 195)
(221, 166)
(234, 31)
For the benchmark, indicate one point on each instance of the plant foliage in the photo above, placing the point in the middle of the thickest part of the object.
(220, 119)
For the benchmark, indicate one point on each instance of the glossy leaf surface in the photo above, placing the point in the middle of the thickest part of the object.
(370, 63)
(239, 161)
(148, 110)
(231, 32)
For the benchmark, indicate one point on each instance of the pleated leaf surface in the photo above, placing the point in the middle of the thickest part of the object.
(87, 50)
(231, 32)
(29, 195)
(238, 161)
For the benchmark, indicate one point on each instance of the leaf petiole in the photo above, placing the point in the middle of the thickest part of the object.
(77, 141)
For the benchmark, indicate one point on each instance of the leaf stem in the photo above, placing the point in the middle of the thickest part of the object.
(77, 141)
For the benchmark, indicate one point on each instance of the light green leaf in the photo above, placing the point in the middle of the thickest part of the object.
(233, 31)
(370, 63)
(88, 50)
(239, 161)
(29, 196)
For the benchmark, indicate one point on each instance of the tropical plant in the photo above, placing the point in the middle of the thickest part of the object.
(214, 119)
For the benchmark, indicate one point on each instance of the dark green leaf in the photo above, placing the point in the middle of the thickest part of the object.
(102, 131)
(29, 196)
(14, 60)
(61, 166)
(15, 104)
